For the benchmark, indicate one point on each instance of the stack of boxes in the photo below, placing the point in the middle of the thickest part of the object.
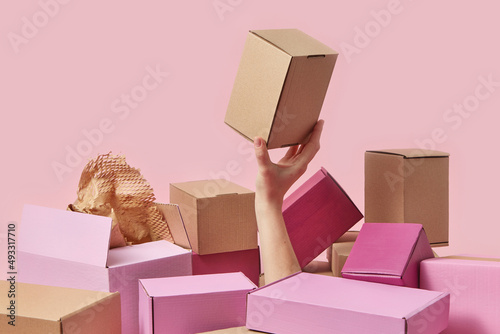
(391, 282)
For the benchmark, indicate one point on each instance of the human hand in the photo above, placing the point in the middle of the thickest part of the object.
(274, 179)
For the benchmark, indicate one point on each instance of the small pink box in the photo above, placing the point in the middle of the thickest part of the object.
(245, 261)
(388, 253)
(474, 286)
(193, 304)
(309, 303)
(70, 249)
(317, 214)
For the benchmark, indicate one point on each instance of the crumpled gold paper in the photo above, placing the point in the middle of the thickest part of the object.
(110, 187)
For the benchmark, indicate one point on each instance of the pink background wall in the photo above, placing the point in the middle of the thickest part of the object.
(404, 66)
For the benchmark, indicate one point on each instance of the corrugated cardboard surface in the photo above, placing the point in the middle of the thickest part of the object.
(308, 303)
(47, 309)
(409, 186)
(172, 214)
(280, 86)
(219, 216)
(473, 283)
(339, 253)
(316, 215)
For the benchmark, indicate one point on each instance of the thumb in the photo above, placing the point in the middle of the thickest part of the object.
(261, 153)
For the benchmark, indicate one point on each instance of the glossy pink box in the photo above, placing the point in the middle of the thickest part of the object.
(245, 261)
(474, 286)
(69, 249)
(193, 304)
(309, 303)
(388, 253)
(317, 214)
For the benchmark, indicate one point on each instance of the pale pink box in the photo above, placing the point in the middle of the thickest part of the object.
(309, 303)
(474, 286)
(388, 253)
(193, 304)
(317, 214)
(70, 249)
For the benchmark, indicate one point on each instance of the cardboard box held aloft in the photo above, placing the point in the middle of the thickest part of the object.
(48, 309)
(280, 86)
(388, 253)
(70, 249)
(219, 215)
(316, 215)
(308, 303)
(193, 304)
(408, 186)
(473, 284)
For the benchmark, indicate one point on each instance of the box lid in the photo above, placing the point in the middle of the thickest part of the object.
(410, 153)
(199, 284)
(172, 214)
(211, 188)
(65, 235)
(294, 42)
(154, 250)
(383, 249)
(352, 295)
(50, 303)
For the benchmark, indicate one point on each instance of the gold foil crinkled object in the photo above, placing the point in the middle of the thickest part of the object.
(110, 187)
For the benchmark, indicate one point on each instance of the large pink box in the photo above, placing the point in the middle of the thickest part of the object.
(245, 261)
(388, 253)
(193, 304)
(474, 286)
(70, 249)
(317, 214)
(309, 303)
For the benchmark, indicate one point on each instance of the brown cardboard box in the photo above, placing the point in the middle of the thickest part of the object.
(47, 309)
(280, 86)
(408, 186)
(219, 215)
(339, 253)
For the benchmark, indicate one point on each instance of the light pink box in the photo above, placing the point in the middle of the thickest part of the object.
(70, 249)
(193, 304)
(317, 214)
(245, 261)
(309, 303)
(388, 253)
(474, 286)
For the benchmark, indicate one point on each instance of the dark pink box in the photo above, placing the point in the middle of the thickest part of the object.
(388, 253)
(317, 214)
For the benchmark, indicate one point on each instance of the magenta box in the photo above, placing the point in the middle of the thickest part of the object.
(193, 304)
(474, 286)
(245, 261)
(388, 253)
(317, 214)
(309, 303)
(70, 249)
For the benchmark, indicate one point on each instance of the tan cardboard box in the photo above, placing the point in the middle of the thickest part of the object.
(219, 215)
(280, 86)
(408, 186)
(339, 253)
(47, 309)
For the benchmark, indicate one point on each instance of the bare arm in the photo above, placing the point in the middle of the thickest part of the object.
(273, 181)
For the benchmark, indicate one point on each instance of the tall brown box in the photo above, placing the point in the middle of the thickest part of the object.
(280, 86)
(409, 186)
(219, 215)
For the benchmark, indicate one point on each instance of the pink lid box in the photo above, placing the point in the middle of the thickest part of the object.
(317, 214)
(309, 303)
(388, 253)
(474, 286)
(193, 304)
(70, 249)
(245, 261)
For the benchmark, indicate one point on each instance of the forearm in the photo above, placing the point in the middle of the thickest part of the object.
(278, 257)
